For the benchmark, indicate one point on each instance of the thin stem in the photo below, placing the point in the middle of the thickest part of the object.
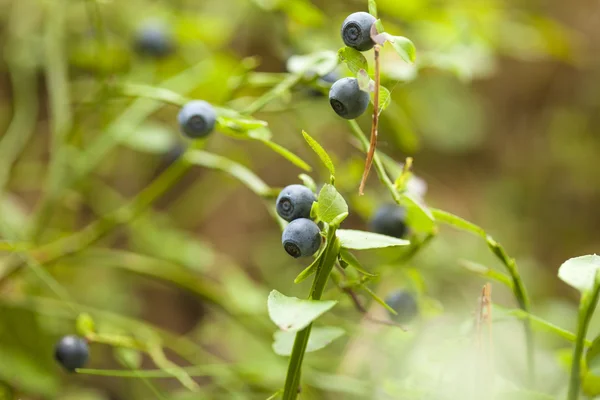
(375, 123)
(272, 94)
(587, 306)
(292, 381)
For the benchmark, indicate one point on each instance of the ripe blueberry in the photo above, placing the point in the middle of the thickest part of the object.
(153, 39)
(71, 352)
(390, 220)
(294, 201)
(197, 119)
(404, 304)
(346, 98)
(356, 31)
(301, 238)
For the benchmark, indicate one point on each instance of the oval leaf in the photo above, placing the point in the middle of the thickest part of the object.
(330, 204)
(319, 338)
(361, 240)
(292, 314)
(317, 148)
(580, 272)
(151, 138)
(354, 59)
(404, 47)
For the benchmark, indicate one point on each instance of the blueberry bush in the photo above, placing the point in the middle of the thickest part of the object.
(252, 199)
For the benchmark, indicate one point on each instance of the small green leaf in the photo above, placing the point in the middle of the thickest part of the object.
(238, 171)
(364, 81)
(292, 314)
(236, 126)
(361, 240)
(580, 272)
(285, 153)
(308, 182)
(85, 324)
(351, 260)
(457, 222)
(151, 138)
(385, 98)
(317, 148)
(319, 338)
(354, 59)
(373, 8)
(590, 384)
(312, 268)
(330, 204)
(404, 47)
(379, 300)
(418, 216)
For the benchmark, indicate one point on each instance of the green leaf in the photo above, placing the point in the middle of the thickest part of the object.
(308, 182)
(364, 81)
(285, 153)
(312, 268)
(457, 222)
(373, 8)
(238, 171)
(330, 204)
(151, 137)
(418, 216)
(361, 240)
(385, 98)
(236, 126)
(379, 300)
(319, 338)
(317, 148)
(351, 260)
(292, 314)
(590, 384)
(84, 324)
(404, 47)
(487, 272)
(354, 59)
(580, 272)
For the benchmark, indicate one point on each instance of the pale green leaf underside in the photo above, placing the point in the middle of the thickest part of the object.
(361, 240)
(580, 272)
(292, 314)
(319, 338)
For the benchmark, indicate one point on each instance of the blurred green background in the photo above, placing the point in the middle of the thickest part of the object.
(500, 114)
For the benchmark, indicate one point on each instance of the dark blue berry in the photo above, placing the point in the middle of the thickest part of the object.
(346, 98)
(294, 201)
(71, 352)
(390, 220)
(301, 238)
(154, 39)
(197, 119)
(356, 31)
(405, 304)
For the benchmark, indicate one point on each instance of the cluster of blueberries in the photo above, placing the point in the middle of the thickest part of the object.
(302, 236)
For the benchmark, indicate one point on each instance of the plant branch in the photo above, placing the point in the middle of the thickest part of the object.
(292, 381)
(587, 306)
(375, 123)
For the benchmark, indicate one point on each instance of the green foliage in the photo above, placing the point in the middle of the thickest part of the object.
(291, 314)
(331, 206)
(361, 240)
(319, 338)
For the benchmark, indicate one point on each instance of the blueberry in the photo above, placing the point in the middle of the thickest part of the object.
(294, 201)
(301, 238)
(71, 352)
(197, 119)
(405, 304)
(153, 39)
(356, 31)
(390, 220)
(346, 98)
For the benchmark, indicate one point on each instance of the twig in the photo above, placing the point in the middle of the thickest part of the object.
(373, 143)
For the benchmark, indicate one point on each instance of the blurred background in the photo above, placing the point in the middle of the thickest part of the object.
(499, 112)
